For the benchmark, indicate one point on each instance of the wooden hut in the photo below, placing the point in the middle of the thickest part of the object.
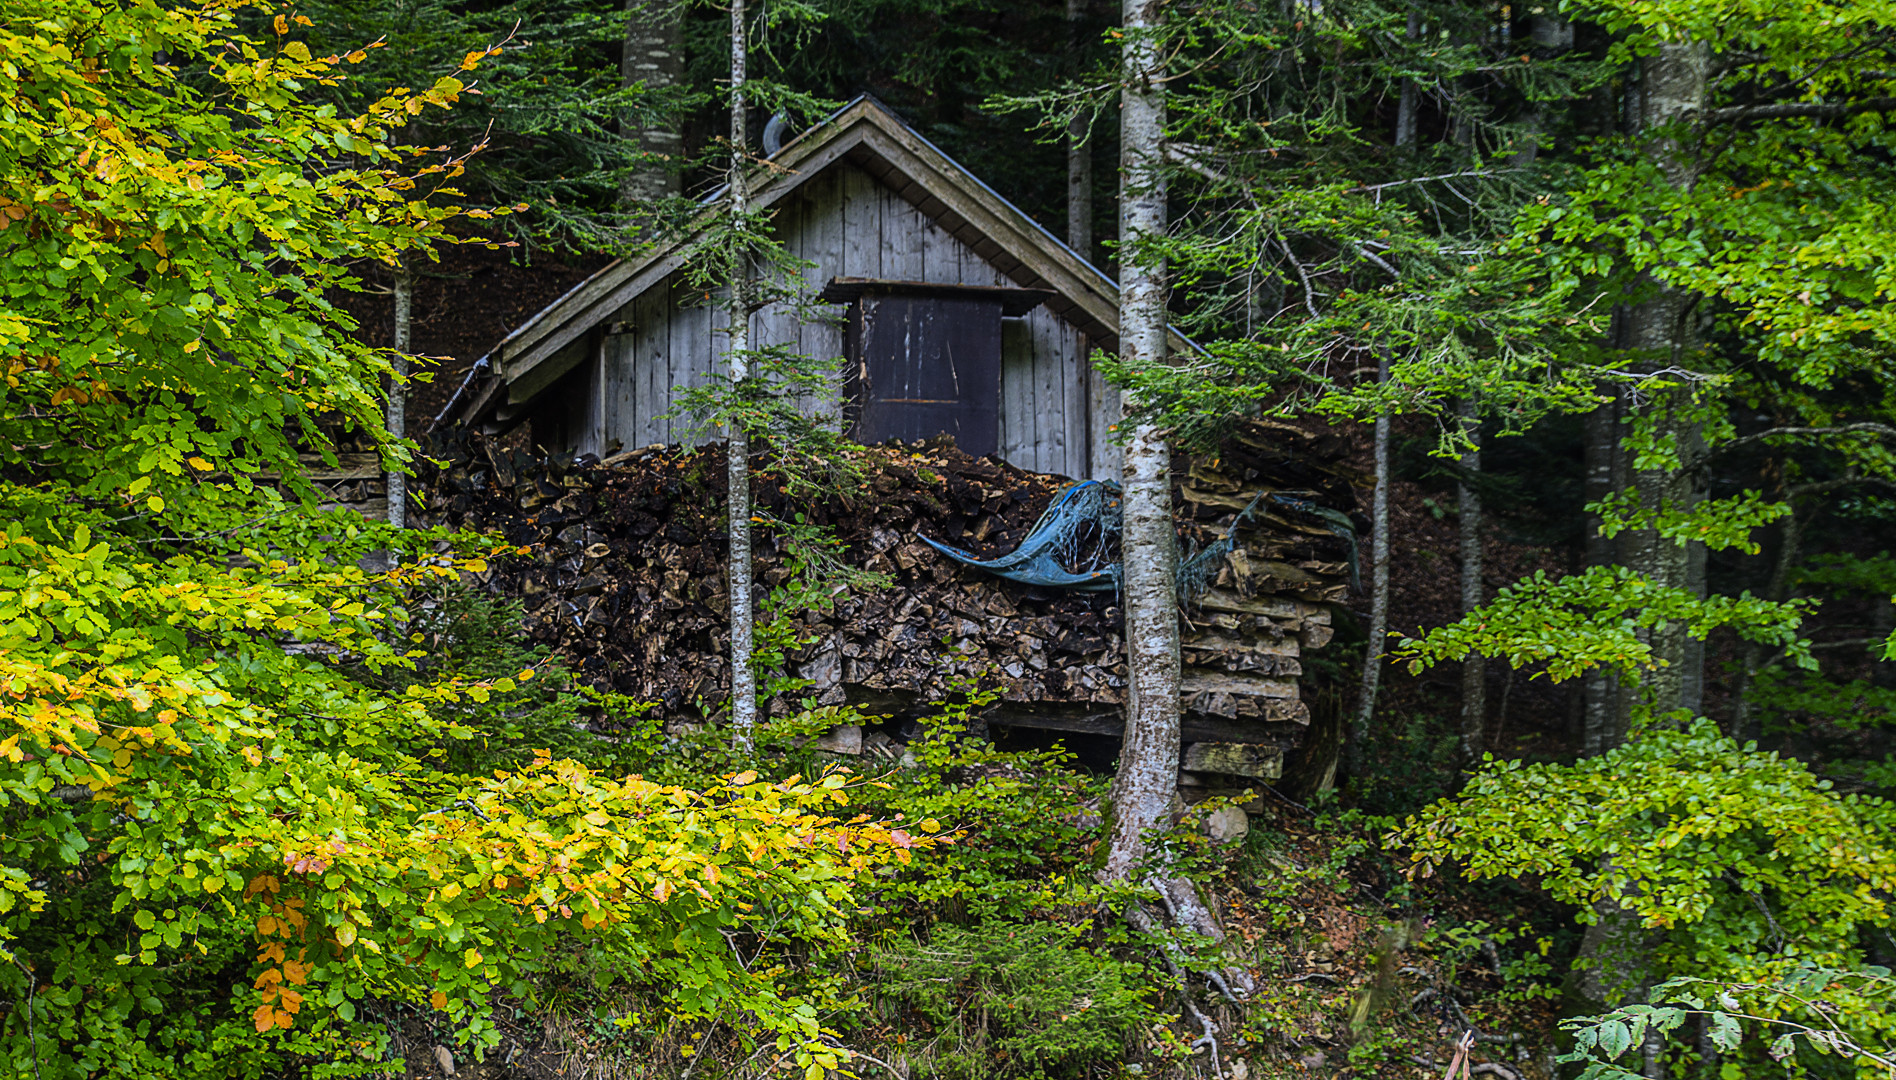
(953, 310)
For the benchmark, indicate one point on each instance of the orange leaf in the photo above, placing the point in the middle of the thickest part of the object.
(265, 1018)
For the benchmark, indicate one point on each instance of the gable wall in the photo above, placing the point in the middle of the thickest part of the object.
(1053, 408)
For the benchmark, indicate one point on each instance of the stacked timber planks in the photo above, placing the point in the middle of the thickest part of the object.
(626, 583)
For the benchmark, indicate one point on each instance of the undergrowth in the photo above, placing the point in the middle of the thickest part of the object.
(998, 955)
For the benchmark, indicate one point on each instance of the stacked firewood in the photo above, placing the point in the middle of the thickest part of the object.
(626, 581)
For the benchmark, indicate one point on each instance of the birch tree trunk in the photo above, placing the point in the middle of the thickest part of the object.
(1147, 781)
(655, 57)
(1079, 152)
(1378, 594)
(1474, 667)
(1408, 104)
(395, 483)
(737, 452)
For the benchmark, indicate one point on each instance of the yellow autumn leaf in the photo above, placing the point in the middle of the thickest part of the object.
(473, 958)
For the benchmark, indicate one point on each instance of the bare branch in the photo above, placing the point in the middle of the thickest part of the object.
(1310, 303)
(1820, 110)
(1866, 428)
(1362, 188)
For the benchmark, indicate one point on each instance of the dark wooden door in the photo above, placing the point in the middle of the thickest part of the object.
(927, 365)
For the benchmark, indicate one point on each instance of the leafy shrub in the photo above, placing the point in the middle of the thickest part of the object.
(1010, 999)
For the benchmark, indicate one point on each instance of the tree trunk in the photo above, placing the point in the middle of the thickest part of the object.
(655, 57)
(1079, 152)
(1147, 783)
(1475, 667)
(1552, 36)
(395, 482)
(1882, 624)
(1601, 726)
(1746, 723)
(1618, 950)
(1659, 333)
(1410, 99)
(737, 453)
(1378, 595)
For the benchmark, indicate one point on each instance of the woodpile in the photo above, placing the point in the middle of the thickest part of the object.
(626, 583)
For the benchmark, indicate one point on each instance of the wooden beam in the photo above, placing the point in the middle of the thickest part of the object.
(1233, 759)
(1192, 728)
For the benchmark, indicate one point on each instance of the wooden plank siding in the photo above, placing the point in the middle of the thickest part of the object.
(849, 223)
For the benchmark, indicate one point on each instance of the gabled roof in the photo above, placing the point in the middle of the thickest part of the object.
(871, 137)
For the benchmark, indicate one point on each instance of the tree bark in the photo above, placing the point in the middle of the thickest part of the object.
(1079, 151)
(1601, 728)
(1378, 594)
(1147, 782)
(1552, 36)
(737, 452)
(1410, 100)
(1882, 624)
(1746, 723)
(1475, 667)
(395, 482)
(654, 56)
(1618, 951)
(1659, 332)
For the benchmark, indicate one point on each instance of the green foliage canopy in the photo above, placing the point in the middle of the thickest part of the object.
(1747, 857)
(230, 823)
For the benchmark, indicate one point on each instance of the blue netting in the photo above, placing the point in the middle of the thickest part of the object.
(1197, 572)
(1075, 544)
(1336, 521)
